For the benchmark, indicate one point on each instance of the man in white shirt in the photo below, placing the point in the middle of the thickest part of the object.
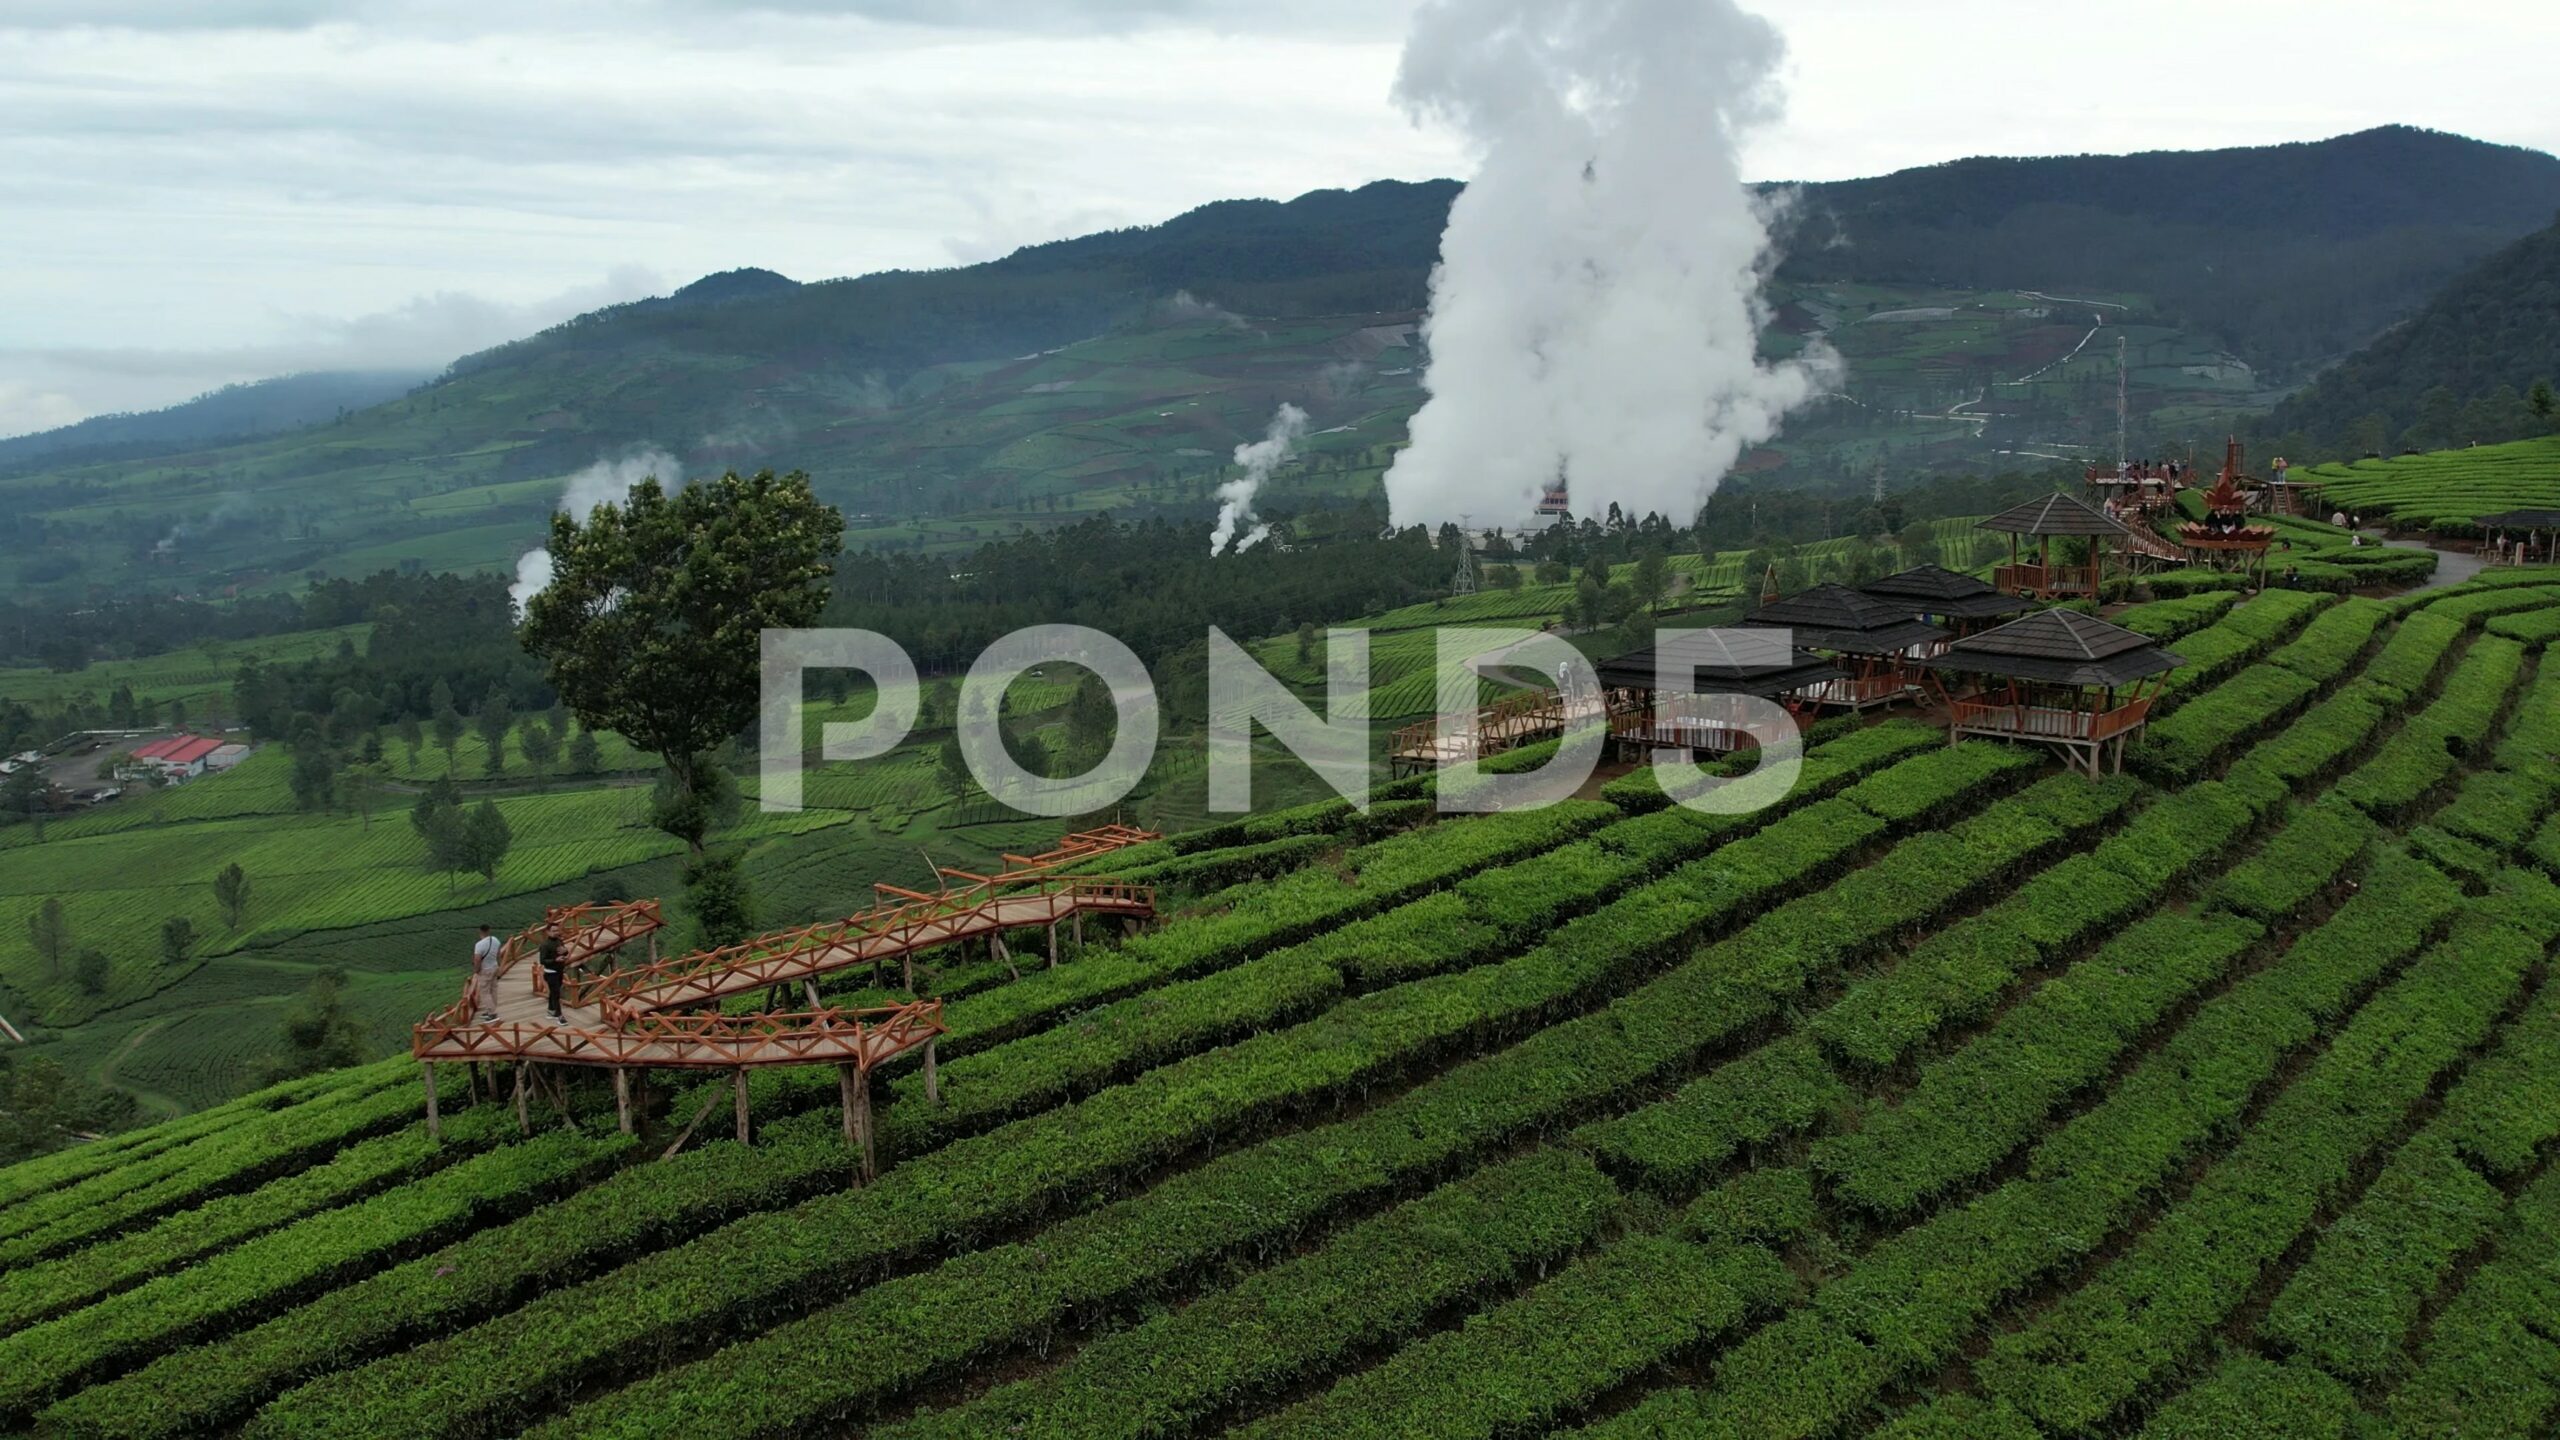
(484, 975)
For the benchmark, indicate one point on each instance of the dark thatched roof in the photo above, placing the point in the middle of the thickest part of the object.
(1723, 661)
(1845, 621)
(2055, 514)
(2519, 520)
(2061, 646)
(1937, 590)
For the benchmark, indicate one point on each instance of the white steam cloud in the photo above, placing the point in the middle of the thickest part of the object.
(606, 482)
(1259, 458)
(1596, 308)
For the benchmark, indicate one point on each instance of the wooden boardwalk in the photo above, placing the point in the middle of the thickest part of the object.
(1507, 724)
(662, 1014)
(891, 933)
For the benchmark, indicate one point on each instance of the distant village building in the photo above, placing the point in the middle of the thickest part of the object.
(180, 757)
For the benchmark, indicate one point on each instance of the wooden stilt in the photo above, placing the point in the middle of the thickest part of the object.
(809, 992)
(710, 1102)
(434, 1130)
(862, 1124)
(1053, 944)
(622, 1099)
(932, 1076)
(995, 942)
(844, 1095)
(744, 1137)
(524, 1122)
(1079, 929)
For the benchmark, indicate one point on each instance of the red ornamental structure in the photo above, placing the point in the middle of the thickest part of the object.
(2225, 537)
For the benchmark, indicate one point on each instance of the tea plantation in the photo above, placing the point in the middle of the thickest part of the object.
(1948, 1096)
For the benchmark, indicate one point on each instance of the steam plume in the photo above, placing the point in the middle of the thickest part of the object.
(1259, 458)
(1596, 307)
(606, 482)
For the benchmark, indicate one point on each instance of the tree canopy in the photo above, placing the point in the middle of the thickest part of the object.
(652, 623)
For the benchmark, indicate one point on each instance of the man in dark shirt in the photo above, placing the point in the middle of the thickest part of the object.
(552, 964)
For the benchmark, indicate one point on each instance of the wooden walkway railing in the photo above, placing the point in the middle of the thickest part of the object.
(630, 1019)
(895, 931)
(1506, 724)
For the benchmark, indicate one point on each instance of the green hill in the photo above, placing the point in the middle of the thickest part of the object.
(1948, 1096)
(1120, 369)
(2457, 372)
(234, 412)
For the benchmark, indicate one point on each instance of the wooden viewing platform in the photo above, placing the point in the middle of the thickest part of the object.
(2058, 678)
(626, 1020)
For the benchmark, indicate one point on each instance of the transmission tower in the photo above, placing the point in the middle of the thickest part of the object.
(1465, 583)
(2121, 458)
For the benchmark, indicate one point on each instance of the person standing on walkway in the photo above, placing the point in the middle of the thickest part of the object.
(552, 965)
(484, 974)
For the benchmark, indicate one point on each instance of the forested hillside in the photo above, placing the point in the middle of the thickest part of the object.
(2462, 370)
(2288, 254)
(234, 412)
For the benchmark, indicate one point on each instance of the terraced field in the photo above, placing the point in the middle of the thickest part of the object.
(1947, 1096)
(2443, 490)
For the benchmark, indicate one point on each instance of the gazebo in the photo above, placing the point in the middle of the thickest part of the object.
(2059, 678)
(2044, 519)
(1944, 597)
(2541, 531)
(1697, 712)
(1873, 640)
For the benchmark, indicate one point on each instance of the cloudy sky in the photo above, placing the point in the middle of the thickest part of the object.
(200, 191)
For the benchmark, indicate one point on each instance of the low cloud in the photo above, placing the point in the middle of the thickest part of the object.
(47, 386)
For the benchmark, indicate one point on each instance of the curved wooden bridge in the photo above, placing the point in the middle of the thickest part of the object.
(644, 1017)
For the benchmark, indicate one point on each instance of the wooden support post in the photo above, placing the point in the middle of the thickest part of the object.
(1053, 944)
(1079, 929)
(932, 1077)
(996, 942)
(809, 991)
(524, 1122)
(858, 1110)
(710, 1102)
(434, 1130)
(744, 1136)
(622, 1099)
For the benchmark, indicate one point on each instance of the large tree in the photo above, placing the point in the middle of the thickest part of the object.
(651, 623)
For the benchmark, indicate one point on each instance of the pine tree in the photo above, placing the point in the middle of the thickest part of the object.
(49, 931)
(231, 892)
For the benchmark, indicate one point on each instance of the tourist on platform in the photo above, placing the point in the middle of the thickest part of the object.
(552, 965)
(484, 975)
